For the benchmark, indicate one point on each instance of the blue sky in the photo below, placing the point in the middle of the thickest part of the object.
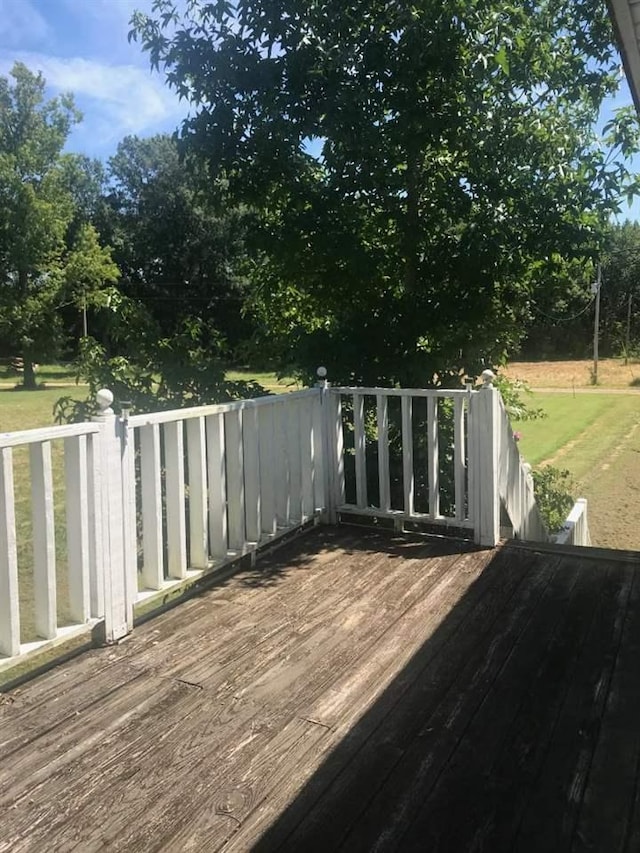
(81, 46)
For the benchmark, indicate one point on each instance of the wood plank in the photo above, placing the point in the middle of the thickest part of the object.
(236, 638)
(9, 599)
(292, 414)
(252, 484)
(375, 741)
(77, 517)
(562, 780)
(382, 414)
(44, 544)
(173, 433)
(459, 458)
(282, 479)
(44, 434)
(130, 514)
(352, 711)
(499, 754)
(151, 492)
(398, 796)
(336, 440)
(608, 819)
(197, 470)
(433, 463)
(360, 451)
(356, 682)
(304, 672)
(96, 545)
(266, 425)
(187, 732)
(307, 458)
(223, 619)
(408, 476)
(217, 481)
(319, 461)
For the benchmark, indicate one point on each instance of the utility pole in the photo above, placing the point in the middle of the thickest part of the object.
(595, 288)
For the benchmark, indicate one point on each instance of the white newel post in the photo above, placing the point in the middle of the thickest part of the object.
(115, 488)
(483, 451)
(327, 448)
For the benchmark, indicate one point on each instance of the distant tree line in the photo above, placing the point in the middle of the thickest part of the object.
(561, 321)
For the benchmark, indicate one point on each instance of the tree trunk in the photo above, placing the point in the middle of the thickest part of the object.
(29, 374)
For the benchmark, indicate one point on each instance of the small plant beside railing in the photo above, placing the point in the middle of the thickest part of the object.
(553, 489)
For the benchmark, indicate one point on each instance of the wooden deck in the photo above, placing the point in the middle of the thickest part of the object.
(357, 692)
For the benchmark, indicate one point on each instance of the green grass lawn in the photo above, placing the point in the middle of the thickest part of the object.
(58, 373)
(268, 380)
(596, 437)
(28, 409)
(569, 419)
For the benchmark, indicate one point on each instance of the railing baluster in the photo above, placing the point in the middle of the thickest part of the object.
(283, 493)
(235, 478)
(307, 457)
(44, 546)
(459, 456)
(337, 440)
(9, 601)
(382, 413)
(433, 473)
(408, 478)
(217, 477)
(360, 450)
(152, 540)
(96, 549)
(319, 496)
(252, 474)
(175, 500)
(266, 416)
(197, 469)
(75, 464)
(292, 409)
(130, 512)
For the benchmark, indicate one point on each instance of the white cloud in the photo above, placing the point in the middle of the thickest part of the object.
(20, 22)
(115, 99)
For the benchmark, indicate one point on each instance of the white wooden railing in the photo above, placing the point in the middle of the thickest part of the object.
(373, 448)
(82, 576)
(141, 504)
(576, 528)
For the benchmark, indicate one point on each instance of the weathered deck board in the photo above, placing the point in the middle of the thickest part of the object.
(358, 691)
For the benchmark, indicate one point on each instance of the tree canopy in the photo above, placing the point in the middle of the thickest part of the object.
(177, 253)
(415, 167)
(40, 256)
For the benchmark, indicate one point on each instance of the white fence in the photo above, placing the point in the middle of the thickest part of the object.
(576, 527)
(141, 504)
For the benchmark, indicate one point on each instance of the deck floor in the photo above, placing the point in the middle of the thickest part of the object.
(356, 692)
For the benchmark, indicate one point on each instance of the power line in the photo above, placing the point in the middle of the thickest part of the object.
(563, 319)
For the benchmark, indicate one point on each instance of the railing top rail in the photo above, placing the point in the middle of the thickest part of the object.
(34, 436)
(401, 392)
(217, 408)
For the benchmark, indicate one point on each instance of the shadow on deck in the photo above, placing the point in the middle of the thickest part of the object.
(357, 692)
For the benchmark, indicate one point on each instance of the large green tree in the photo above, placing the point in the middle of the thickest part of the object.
(40, 255)
(179, 257)
(416, 165)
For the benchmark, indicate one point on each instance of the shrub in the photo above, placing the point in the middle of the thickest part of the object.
(554, 490)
